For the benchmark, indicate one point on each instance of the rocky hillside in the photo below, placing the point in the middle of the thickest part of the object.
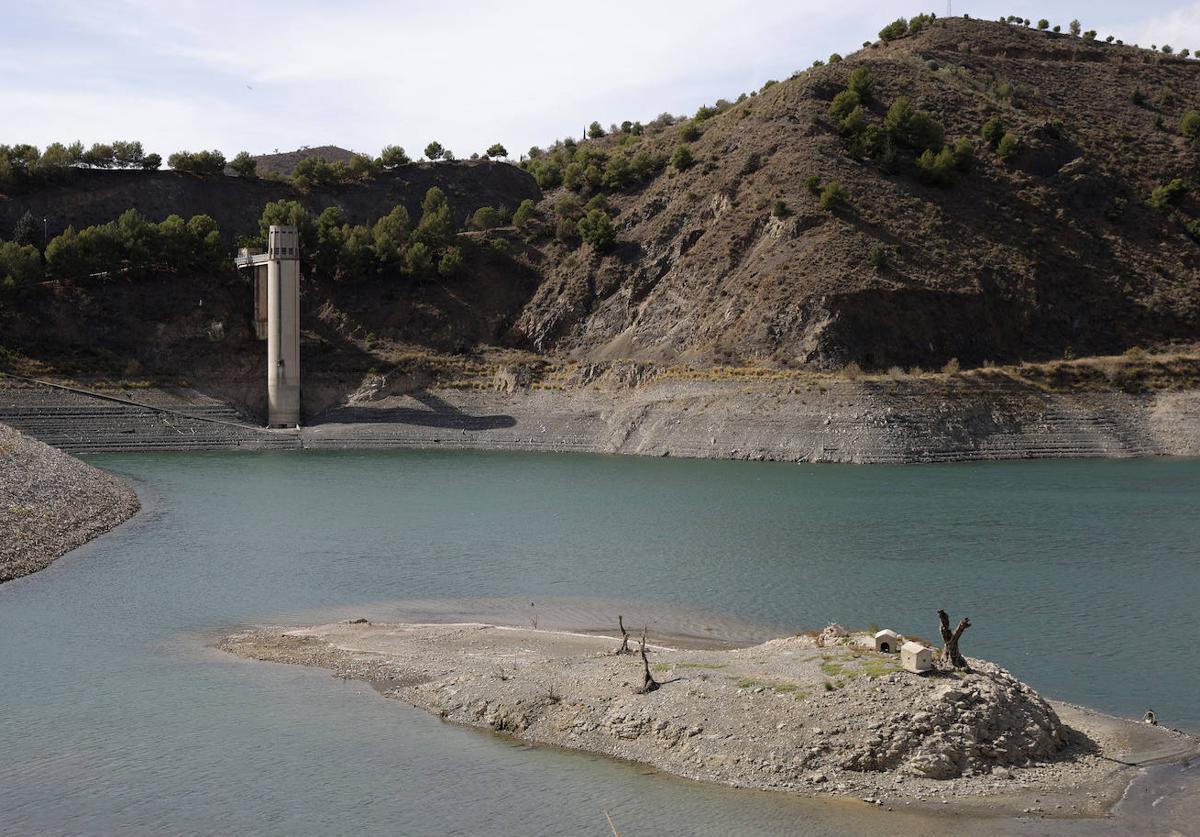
(792, 232)
(1053, 251)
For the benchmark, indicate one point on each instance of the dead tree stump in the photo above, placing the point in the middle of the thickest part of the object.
(950, 652)
(624, 649)
(649, 684)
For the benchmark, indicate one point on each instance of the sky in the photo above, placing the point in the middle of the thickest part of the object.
(260, 77)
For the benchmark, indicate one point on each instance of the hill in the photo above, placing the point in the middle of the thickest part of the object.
(799, 227)
(1051, 252)
(284, 162)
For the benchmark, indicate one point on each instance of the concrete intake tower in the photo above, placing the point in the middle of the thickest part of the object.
(277, 319)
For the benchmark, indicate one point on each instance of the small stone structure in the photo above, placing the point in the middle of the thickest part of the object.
(916, 657)
(887, 641)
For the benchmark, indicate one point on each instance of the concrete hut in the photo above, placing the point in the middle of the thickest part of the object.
(887, 641)
(916, 657)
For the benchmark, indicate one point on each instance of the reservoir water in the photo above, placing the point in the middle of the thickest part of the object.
(1081, 577)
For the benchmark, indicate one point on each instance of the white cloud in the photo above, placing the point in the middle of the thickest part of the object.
(260, 76)
(1179, 28)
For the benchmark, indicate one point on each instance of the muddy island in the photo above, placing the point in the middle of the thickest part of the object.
(818, 714)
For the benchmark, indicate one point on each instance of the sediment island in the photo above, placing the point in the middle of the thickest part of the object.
(819, 714)
(51, 503)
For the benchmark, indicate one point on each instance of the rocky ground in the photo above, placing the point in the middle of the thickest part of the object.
(51, 503)
(629, 409)
(809, 715)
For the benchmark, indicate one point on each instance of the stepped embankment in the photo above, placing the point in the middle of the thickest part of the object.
(835, 420)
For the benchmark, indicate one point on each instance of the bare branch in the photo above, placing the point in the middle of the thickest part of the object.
(649, 684)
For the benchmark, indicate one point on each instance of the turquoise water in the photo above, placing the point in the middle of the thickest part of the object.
(1081, 577)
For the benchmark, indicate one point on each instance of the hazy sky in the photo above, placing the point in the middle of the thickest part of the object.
(264, 76)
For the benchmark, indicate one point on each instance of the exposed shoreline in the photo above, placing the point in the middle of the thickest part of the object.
(861, 422)
(52, 503)
(749, 717)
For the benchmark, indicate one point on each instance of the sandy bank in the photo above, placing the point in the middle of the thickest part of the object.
(51, 503)
(785, 715)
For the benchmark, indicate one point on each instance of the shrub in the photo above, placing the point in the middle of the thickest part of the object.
(682, 158)
(568, 207)
(595, 131)
(896, 29)
(913, 128)
(964, 154)
(877, 256)
(203, 163)
(390, 233)
(752, 163)
(1009, 146)
(1043, 24)
(918, 23)
(618, 173)
(1189, 126)
(854, 123)
(19, 263)
(1090, 35)
(434, 151)
(451, 263)
(597, 202)
(1167, 195)
(525, 213)
(498, 249)
(418, 258)
(566, 231)
(689, 131)
(780, 209)
(496, 150)
(1075, 27)
(833, 197)
(860, 83)
(393, 157)
(244, 165)
(486, 218)
(596, 229)
(938, 168)
(843, 104)
(151, 162)
(436, 228)
(952, 367)
(1057, 28)
(1166, 48)
(835, 58)
(314, 171)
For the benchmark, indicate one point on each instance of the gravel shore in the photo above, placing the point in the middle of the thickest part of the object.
(50, 503)
(834, 718)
